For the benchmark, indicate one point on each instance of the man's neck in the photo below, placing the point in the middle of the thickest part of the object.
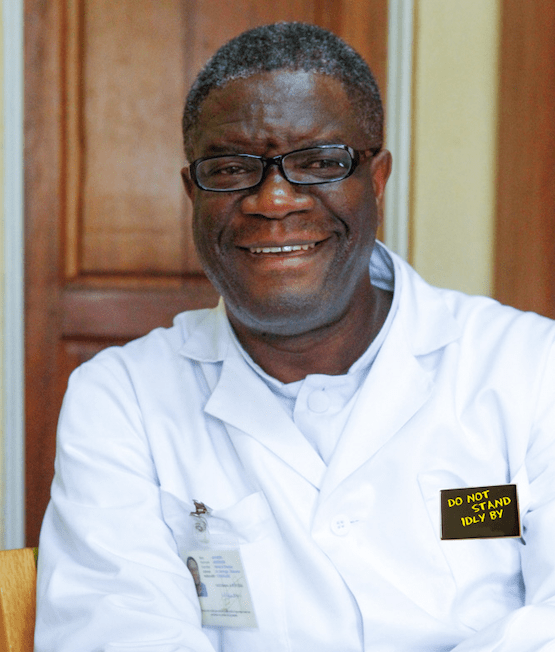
(329, 350)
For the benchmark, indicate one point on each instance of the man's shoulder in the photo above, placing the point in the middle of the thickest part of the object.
(160, 347)
(479, 321)
(477, 313)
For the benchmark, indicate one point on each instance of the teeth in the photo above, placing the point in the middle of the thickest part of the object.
(284, 249)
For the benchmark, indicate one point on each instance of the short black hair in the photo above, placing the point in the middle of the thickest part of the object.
(289, 46)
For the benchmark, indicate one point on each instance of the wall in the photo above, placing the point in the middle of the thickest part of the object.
(454, 128)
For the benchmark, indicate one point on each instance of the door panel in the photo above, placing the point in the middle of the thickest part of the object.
(131, 206)
(109, 253)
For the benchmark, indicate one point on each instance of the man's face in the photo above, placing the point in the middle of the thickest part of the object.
(288, 291)
(193, 569)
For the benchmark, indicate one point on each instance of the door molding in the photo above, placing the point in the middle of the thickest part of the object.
(399, 118)
(13, 490)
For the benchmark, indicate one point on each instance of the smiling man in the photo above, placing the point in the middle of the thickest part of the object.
(287, 242)
(354, 460)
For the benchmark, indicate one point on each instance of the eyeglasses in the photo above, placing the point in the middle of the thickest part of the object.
(304, 167)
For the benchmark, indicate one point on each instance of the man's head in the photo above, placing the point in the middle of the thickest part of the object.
(289, 46)
(288, 258)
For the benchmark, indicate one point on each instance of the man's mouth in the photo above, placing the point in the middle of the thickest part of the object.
(283, 249)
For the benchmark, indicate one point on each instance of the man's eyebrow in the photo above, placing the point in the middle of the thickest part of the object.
(223, 149)
(230, 145)
(239, 147)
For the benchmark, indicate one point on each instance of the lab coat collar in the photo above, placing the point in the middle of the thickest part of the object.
(247, 406)
(207, 338)
(427, 320)
(242, 401)
(428, 323)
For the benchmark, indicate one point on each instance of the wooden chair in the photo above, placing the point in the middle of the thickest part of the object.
(18, 578)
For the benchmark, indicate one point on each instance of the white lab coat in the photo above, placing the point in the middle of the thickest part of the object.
(338, 559)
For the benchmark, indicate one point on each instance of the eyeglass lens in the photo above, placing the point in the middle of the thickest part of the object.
(309, 166)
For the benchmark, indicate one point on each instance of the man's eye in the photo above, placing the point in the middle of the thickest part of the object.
(230, 170)
(324, 164)
(227, 167)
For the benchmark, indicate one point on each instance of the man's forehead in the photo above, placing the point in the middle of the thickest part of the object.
(281, 105)
(271, 92)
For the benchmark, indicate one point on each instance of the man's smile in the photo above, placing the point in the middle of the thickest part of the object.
(302, 255)
(281, 249)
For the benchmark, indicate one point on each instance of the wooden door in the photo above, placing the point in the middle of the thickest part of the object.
(109, 253)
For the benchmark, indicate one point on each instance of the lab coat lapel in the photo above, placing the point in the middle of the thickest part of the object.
(397, 385)
(247, 406)
(396, 388)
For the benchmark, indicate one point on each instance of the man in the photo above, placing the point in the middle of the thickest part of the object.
(296, 439)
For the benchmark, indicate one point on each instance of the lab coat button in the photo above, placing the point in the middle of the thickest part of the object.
(318, 401)
(340, 525)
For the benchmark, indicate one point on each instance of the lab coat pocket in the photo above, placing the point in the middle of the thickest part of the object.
(520, 478)
(243, 522)
(486, 571)
(248, 526)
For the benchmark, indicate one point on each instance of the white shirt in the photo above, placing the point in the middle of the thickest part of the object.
(342, 557)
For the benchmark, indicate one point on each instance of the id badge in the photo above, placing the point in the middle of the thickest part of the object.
(219, 577)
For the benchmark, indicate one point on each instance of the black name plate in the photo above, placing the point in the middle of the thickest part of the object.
(480, 512)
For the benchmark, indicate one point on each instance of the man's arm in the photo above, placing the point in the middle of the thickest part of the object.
(109, 573)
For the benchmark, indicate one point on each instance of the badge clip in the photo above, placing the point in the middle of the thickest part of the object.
(200, 521)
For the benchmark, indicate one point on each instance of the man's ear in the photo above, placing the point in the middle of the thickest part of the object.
(187, 182)
(381, 169)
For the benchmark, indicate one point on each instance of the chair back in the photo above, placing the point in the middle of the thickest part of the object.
(18, 579)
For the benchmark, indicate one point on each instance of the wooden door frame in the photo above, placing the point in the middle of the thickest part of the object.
(399, 124)
(12, 534)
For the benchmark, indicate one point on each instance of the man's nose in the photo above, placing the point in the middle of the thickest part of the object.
(275, 197)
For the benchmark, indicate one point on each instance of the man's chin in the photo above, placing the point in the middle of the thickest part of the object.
(284, 317)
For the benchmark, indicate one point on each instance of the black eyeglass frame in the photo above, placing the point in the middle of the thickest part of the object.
(355, 154)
